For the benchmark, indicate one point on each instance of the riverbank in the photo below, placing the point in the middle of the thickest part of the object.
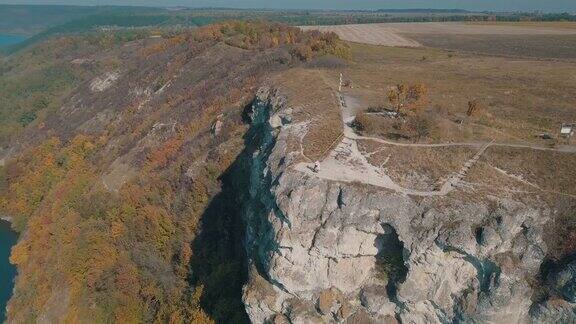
(7, 40)
(7, 271)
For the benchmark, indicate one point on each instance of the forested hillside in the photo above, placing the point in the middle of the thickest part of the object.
(42, 22)
(114, 147)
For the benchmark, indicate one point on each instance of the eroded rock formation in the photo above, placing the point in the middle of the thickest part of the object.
(323, 251)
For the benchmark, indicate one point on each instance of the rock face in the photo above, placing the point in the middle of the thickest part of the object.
(323, 251)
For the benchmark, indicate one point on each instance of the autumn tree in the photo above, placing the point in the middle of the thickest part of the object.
(407, 96)
(136, 254)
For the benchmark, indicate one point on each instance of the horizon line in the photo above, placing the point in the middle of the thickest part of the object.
(291, 9)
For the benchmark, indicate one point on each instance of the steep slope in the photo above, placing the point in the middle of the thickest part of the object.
(120, 191)
(336, 251)
(173, 181)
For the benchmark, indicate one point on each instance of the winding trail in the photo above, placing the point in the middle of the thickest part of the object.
(347, 164)
(563, 148)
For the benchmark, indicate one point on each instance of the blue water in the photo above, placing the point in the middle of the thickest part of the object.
(7, 271)
(6, 40)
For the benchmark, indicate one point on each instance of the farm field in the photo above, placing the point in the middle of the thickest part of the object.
(537, 24)
(373, 34)
(534, 40)
(529, 46)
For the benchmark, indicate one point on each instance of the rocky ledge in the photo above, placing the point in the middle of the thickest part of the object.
(323, 251)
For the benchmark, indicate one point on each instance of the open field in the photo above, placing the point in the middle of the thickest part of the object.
(496, 151)
(555, 40)
(374, 34)
(521, 98)
(537, 24)
(529, 46)
(477, 29)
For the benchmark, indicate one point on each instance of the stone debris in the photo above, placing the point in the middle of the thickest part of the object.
(104, 82)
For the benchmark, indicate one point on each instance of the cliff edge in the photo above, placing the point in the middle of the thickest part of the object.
(337, 251)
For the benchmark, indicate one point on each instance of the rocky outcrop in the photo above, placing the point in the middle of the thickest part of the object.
(323, 251)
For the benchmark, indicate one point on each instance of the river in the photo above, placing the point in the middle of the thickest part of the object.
(7, 271)
(6, 40)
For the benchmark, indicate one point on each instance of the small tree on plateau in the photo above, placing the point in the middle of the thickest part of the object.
(407, 96)
(474, 107)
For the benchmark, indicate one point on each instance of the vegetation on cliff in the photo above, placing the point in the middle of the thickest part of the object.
(111, 181)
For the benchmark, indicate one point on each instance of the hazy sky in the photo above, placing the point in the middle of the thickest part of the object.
(501, 5)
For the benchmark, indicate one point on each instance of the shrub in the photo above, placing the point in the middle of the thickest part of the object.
(27, 118)
(419, 127)
(474, 108)
(407, 96)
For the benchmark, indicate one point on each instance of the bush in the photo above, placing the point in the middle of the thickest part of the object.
(27, 118)
(475, 107)
(304, 45)
(419, 127)
(407, 127)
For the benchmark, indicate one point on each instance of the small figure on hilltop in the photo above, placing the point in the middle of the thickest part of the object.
(316, 167)
(346, 83)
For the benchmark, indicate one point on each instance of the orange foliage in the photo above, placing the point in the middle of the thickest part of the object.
(159, 157)
(210, 32)
(125, 257)
(164, 45)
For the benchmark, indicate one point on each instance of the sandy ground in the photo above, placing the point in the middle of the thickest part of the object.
(398, 34)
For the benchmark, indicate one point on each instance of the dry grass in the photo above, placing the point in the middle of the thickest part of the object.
(536, 24)
(421, 168)
(313, 100)
(550, 171)
(416, 34)
(559, 47)
(462, 28)
(522, 97)
(484, 178)
(375, 34)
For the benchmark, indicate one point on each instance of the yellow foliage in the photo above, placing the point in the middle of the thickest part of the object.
(159, 157)
(20, 253)
(117, 229)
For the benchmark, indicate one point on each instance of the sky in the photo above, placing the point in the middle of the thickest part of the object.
(492, 5)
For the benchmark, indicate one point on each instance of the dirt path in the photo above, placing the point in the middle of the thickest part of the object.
(562, 148)
(347, 163)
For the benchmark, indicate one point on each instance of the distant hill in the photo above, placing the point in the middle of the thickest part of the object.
(40, 22)
(424, 10)
(30, 20)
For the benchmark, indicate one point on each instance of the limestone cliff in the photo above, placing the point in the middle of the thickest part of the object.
(327, 251)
